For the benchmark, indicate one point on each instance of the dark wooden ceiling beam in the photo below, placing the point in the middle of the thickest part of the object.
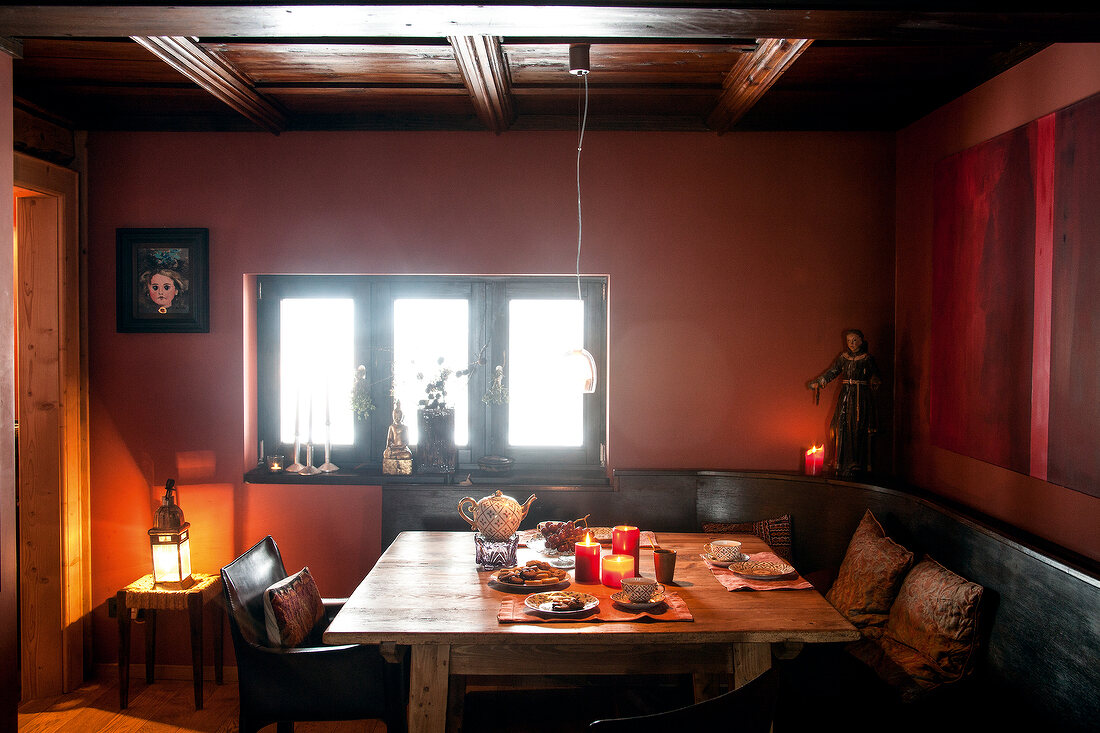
(1057, 20)
(215, 76)
(485, 72)
(751, 77)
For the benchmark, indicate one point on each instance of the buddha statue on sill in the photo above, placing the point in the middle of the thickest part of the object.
(397, 458)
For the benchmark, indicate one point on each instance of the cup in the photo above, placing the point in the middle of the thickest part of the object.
(723, 550)
(492, 554)
(664, 564)
(640, 590)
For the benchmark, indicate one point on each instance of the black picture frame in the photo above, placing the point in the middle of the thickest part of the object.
(171, 265)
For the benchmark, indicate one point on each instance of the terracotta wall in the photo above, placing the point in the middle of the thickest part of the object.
(1050, 80)
(735, 262)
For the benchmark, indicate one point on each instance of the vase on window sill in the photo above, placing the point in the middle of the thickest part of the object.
(435, 448)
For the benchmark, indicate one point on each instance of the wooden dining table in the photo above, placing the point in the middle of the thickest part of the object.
(426, 598)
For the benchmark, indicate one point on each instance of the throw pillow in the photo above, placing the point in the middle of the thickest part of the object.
(775, 531)
(936, 615)
(869, 577)
(292, 609)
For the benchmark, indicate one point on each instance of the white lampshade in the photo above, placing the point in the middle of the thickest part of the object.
(582, 369)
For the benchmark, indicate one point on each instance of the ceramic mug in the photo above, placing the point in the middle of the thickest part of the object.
(664, 564)
(640, 590)
(723, 550)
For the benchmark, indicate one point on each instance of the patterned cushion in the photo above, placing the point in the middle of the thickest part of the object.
(936, 614)
(776, 532)
(870, 575)
(931, 637)
(292, 609)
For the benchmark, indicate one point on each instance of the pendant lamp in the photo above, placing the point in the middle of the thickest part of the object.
(581, 364)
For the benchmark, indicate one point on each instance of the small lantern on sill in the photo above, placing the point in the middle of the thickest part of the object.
(170, 540)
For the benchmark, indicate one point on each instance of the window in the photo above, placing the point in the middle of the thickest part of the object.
(314, 331)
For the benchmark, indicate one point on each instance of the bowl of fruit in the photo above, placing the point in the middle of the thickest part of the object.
(557, 538)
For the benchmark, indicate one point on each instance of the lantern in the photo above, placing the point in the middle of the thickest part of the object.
(170, 541)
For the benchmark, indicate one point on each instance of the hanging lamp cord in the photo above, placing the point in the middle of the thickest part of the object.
(580, 146)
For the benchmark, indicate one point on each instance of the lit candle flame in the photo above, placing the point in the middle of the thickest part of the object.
(815, 449)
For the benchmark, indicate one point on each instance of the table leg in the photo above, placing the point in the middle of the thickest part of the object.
(150, 644)
(749, 662)
(219, 630)
(428, 677)
(123, 649)
(194, 610)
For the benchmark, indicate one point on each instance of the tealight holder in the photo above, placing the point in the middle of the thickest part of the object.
(275, 464)
(492, 554)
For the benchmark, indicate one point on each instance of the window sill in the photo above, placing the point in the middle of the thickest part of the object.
(536, 476)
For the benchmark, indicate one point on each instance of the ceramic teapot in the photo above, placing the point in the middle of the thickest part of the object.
(497, 517)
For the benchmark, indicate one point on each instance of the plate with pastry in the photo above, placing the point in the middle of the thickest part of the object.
(561, 602)
(535, 574)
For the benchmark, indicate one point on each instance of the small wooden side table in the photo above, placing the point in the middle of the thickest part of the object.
(144, 594)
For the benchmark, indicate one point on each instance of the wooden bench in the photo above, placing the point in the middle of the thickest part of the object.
(1042, 646)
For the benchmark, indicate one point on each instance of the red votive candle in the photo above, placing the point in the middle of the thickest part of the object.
(588, 560)
(815, 460)
(615, 568)
(625, 541)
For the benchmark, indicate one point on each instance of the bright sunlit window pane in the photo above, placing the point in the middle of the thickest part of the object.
(544, 406)
(317, 358)
(425, 330)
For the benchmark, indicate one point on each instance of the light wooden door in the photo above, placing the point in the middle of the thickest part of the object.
(51, 387)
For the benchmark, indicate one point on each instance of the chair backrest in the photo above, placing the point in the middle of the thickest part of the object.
(245, 580)
(748, 709)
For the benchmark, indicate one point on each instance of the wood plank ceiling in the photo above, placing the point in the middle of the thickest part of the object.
(783, 65)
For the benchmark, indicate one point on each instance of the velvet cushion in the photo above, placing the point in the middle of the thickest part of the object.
(775, 531)
(931, 636)
(936, 614)
(870, 575)
(292, 609)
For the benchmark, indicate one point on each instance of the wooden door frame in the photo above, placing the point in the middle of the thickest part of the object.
(53, 633)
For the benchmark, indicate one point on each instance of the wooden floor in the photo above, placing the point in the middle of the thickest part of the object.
(167, 706)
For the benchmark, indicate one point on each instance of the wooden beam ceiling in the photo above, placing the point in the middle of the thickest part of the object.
(486, 75)
(215, 76)
(1057, 20)
(751, 77)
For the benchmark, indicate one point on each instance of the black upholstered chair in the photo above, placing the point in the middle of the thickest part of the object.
(346, 682)
(748, 709)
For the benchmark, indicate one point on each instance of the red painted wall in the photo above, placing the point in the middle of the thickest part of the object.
(1050, 80)
(735, 262)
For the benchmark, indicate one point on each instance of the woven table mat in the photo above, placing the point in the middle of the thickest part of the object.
(736, 582)
(512, 611)
(143, 593)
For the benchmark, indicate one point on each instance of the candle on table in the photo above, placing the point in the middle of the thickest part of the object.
(587, 553)
(625, 540)
(815, 460)
(615, 568)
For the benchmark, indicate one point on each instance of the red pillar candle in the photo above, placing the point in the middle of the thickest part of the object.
(588, 560)
(625, 541)
(615, 568)
(815, 460)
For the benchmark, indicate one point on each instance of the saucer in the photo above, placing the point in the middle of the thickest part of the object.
(724, 563)
(624, 600)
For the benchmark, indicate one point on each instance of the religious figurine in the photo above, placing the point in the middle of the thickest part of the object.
(855, 421)
(397, 458)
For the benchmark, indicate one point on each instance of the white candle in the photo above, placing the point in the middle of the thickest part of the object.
(297, 412)
(311, 416)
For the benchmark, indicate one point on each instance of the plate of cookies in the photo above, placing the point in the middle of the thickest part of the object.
(535, 574)
(561, 602)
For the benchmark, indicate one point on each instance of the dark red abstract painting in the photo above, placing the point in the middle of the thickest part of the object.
(982, 293)
(1015, 372)
(1074, 458)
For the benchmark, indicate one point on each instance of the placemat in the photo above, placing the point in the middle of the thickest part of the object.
(736, 582)
(512, 611)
